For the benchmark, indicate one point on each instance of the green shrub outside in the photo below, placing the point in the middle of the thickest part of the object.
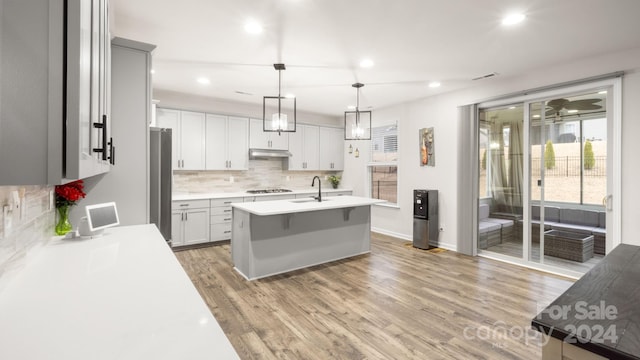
(589, 159)
(549, 156)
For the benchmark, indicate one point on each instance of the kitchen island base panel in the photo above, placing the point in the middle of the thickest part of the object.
(262, 246)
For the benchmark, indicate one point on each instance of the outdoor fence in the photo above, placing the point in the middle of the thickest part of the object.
(385, 190)
(570, 166)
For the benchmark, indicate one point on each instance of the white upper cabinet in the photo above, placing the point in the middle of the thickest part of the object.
(331, 148)
(38, 145)
(259, 139)
(187, 135)
(168, 118)
(192, 134)
(304, 147)
(238, 143)
(227, 143)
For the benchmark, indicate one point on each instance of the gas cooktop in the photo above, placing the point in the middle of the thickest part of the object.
(268, 191)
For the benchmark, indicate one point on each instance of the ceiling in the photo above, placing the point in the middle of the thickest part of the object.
(411, 42)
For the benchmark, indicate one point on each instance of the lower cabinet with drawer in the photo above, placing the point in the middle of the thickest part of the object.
(189, 222)
(221, 218)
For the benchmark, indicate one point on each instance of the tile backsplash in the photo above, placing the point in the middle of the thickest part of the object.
(23, 230)
(261, 174)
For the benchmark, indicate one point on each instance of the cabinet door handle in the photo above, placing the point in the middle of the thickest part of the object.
(112, 152)
(102, 126)
(181, 216)
(228, 219)
(229, 164)
(186, 216)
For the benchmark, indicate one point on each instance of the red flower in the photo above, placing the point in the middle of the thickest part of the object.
(68, 194)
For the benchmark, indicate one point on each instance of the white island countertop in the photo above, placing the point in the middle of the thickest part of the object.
(122, 295)
(277, 207)
(243, 194)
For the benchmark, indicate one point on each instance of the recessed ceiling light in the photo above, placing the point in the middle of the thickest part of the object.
(153, 71)
(536, 116)
(572, 111)
(203, 81)
(602, 92)
(366, 63)
(513, 19)
(253, 27)
(434, 84)
(511, 107)
(290, 96)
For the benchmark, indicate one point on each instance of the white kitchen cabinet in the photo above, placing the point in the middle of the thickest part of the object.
(189, 222)
(259, 139)
(304, 147)
(54, 91)
(331, 148)
(131, 106)
(188, 137)
(221, 216)
(227, 142)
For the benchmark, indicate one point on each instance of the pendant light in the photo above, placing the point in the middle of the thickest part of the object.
(357, 124)
(277, 115)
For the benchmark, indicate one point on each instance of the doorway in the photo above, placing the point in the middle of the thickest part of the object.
(546, 178)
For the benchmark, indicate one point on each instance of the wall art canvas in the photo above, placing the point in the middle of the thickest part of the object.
(427, 150)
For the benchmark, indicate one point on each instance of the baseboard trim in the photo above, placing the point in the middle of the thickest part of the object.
(410, 238)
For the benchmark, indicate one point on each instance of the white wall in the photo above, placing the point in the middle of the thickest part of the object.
(176, 100)
(441, 112)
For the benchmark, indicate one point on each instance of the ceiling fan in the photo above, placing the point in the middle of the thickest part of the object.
(557, 105)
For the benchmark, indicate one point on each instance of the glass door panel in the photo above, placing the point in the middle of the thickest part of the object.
(568, 152)
(501, 180)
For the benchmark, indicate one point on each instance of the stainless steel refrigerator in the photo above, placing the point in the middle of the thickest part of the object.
(161, 179)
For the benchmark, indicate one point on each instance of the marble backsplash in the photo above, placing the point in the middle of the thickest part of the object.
(23, 231)
(261, 174)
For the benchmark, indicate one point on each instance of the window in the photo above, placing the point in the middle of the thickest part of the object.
(383, 165)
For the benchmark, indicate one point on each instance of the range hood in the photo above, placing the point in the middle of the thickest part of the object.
(266, 154)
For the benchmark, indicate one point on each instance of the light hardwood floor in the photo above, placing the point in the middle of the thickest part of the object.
(397, 302)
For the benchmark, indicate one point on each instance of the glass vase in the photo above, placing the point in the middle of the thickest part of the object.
(63, 226)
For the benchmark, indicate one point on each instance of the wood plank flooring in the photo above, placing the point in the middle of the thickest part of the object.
(397, 302)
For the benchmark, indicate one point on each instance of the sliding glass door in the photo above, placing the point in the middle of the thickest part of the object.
(545, 177)
(568, 147)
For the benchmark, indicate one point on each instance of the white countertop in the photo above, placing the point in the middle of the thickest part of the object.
(277, 207)
(219, 195)
(122, 295)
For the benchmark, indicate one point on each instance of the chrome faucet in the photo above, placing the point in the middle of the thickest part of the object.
(313, 183)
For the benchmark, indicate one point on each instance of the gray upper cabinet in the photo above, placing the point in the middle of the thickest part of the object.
(54, 91)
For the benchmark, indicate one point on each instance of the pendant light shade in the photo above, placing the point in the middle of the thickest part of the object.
(279, 112)
(357, 124)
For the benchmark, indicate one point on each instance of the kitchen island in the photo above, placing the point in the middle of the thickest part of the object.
(274, 237)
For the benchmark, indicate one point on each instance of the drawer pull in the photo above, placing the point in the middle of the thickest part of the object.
(184, 204)
(229, 210)
(229, 219)
(227, 202)
(227, 232)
